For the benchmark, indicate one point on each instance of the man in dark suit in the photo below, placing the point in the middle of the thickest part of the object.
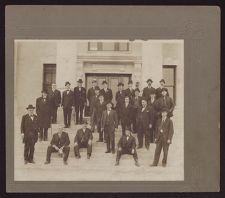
(83, 139)
(29, 131)
(164, 134)
(165, 102)
(79, 101)
(59, 143)
(91, 95)
(55, 100)
(144, 121)
(99, 107)
(120, 96)
(136, 105)
(159, 89)
(67, 103)
(148, 89)
(109, 123)
(126, 114)
(130, 91)
(106, 92)
(95, 100)
(43, 111)
(127, 145)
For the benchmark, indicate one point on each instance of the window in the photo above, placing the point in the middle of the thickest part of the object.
(108, 46)
(49, 76)
(169, 75)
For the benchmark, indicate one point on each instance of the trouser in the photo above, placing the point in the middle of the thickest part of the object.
(124, 125)
(44, 134)
(54, 114)
(126, 151)
(143, 132)
(118, 111)
(82, 145)
(67, 115)
(109, 136)
(51, 149)
(93, 121)
(151, 135)
(162, 144)
(134, 121)
(79, 113)
(29, 150)
(99, 130)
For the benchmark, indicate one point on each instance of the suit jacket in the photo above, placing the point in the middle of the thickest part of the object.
(130, 93)
(55, 98)
(126, 114)
(79, 96)
(153, 109)
(120, 99)
(167, 103)
(147, 91)
(159, 92)
(29, 128)
(60, 141)
(136, 102)
(145, 118)
(107, 94)
(111, 120)
(98, 111)
(67, 99)
(165, 128)
(127, 144)
(43, 110)
(91, 95)
(83, 137)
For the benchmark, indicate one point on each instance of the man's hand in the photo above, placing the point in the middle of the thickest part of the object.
(119, 149)
(22, 136)
(150, 126)
(60, 151)
(132, 151)
(89, 142)
(56, 148)
(75, 144)
(169, 141)
(155, 140)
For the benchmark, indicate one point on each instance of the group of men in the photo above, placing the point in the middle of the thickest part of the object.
(147, 115)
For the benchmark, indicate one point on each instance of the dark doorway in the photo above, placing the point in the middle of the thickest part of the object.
(49, 76)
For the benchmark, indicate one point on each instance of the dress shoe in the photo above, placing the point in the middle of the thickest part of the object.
(107, 152)
(88, 156)
(113, 151)
(164, 164)
(32, 161)
(47, 162)
(65, 162)
(139, 147)
(77, 157)
(153, 165)
(25, 161)
(137, 164)
(99, 141)
(117, 163)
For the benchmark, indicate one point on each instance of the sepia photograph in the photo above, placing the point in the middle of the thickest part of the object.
(98, 110)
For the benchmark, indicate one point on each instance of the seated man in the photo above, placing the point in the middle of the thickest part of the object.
(60, 143)
(83, 139)
(127, 145)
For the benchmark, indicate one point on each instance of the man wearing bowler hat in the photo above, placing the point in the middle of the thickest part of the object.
(106, 92)
(120, 96)
(148, 89)
(159, 89)
(29, 131)
(91, 95)
(163, 138)
(43, 110)
(67, 103)
(109, 123)
(79, 101)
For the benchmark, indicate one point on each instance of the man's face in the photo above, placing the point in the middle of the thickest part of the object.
(162, 84)
(164, 114)
(68, 86)
(79, 84)
(143, 102)
(127, 132)
(130, 85)
(84, 125)
(60, 130)
(101, 98)
(164, 93)
(127, 100)
(109, 106)
(149, 83)
(44, 95)
(53, 86)
(152, 95)
(94, 84)
(30, 111)
(97, 92)
(105, 85)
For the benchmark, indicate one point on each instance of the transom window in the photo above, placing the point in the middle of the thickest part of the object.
(108, 46)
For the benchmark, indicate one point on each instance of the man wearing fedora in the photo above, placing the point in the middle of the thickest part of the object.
(83, 139)
(79, 101)
(67, 103)
(106, 92)
(91, 95)
(159, 89)
(163, 137)
(148, 89)
(43, 110)
(29, 131)
(130, 91)
(127, 145)
(120, 96)
(109, 123)
(59, 143)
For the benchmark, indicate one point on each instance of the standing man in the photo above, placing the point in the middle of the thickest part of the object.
(136, 105)
(59, 143)
(106, 92)
(79, 101)
(165, 102)
(29, 132)
(99, 108)
(67, 103)
(148, 89)
(91, 95)
(109, 123)
(55, 100)
(126, 114)
(120, 96)
(127, 145)
(83, 139)
(44, 115)
(164, 134)
(159, 89)
(130, 91)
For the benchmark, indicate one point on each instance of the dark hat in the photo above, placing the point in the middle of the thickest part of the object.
(149, 80)
(137, 90)
(162, 80)
(85, 121)
(97, 88)
(152, 91)
(80, 81)
(143, 98)
(120, 84)
(44, 91)
(164, 110)
(67, 83)
(164, 89)
(94, 80)
(130, 82)
(104, 82)
(30, 106)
